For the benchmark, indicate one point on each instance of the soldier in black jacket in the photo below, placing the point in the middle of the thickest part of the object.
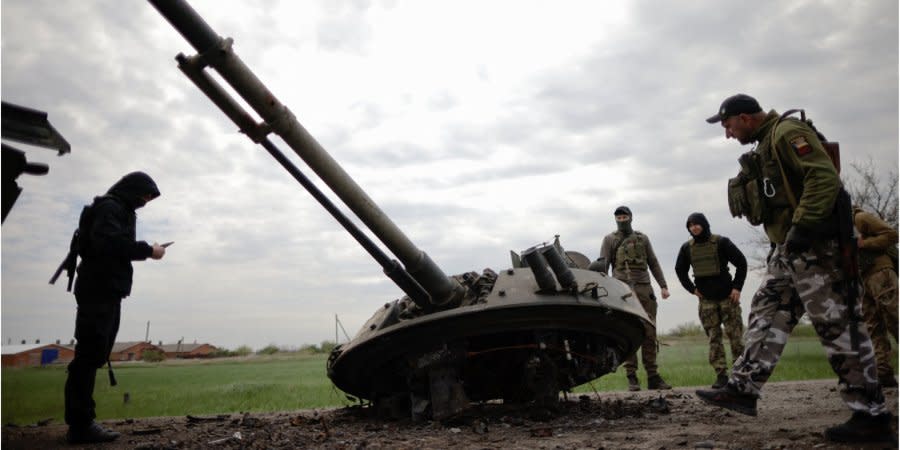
(107, 247)
(719, 296)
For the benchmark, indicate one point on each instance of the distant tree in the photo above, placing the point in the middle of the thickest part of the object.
(242, 351)
(688, 329)
(326, 346)
(308, 349)
(874, 194)
(153, 356)
(270, 349)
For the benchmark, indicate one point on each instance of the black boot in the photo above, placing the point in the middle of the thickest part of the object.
(633, 383)
(656, 382)
(721, 381)
(729, 397)
(887, 381)
(863, 427)
(90, 433)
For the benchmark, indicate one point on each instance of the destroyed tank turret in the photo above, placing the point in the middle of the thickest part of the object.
(523, 334)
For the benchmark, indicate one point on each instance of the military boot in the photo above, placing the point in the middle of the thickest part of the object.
(863, 427)
(633, 383)
(656, 382)
(89, 434)
(729, 397)
(887, 381)
(721, 381)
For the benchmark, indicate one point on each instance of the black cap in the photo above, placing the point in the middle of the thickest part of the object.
(734, 105)
(622, 210)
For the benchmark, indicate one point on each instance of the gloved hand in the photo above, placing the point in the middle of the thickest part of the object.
(798, 240)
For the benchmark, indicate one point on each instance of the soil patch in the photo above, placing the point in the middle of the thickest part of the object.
(791, 415)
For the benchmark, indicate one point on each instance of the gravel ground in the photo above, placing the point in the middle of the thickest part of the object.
(792, 415)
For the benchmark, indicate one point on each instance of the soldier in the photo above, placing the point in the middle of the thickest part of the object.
(789, 184)
(879, 305)
(107, 246)
(719, 296)
(630, 254)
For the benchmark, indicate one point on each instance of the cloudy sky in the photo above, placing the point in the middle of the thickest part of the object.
(479, 127)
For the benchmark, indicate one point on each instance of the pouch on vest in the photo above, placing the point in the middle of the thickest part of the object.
(705, 257)
(745, 197)
(631, 254)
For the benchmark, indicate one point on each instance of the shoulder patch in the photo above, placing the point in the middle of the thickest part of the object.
(800, 146)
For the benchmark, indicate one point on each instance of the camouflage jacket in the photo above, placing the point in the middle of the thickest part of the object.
(876, 236)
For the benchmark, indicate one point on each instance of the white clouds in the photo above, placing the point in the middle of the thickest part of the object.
(479, 127)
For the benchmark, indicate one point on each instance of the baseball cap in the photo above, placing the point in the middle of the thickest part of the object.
(622, 210)
(734, 105)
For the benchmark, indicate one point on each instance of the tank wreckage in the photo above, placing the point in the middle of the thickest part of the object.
(521, 335)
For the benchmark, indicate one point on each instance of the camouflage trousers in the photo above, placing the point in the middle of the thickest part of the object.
(810, 282)
(648, 349)
(714, 315)
(880, 314)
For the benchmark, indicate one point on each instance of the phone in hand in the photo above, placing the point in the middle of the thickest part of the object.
(167, 244)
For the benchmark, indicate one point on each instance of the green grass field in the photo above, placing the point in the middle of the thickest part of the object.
(285, 382)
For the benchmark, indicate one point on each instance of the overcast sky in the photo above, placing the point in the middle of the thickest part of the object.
(479, 127)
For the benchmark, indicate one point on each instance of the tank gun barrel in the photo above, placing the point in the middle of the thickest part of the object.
(216, 52)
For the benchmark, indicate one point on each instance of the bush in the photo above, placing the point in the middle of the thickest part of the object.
(242, 351)
(270, 349)
(689, 329)
(327, 346)
(225, 353)
(153, 356)
(308, 349)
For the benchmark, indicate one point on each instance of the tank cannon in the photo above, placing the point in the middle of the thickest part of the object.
(522, 335)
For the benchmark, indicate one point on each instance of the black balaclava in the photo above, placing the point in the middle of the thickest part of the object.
(624, 227)
(133, 187)
(699, 219)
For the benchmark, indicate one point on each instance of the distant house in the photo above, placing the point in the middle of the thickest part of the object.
(131, 351)
(32, 355)
(182, 350)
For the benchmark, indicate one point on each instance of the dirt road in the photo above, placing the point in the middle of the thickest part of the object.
(792, 415)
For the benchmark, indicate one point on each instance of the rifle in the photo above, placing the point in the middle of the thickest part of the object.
(843, 210)
(69, 263)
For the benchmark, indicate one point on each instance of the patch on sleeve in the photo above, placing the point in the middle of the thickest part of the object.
(801, 147)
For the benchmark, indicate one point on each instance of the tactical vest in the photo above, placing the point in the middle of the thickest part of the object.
(759, 192)
(705, 257)
(631, 250)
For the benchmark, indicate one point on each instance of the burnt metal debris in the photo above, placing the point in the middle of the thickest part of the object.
(521, 335)
(28, 126)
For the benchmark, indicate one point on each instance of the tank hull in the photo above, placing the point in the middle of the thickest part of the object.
(519, 344)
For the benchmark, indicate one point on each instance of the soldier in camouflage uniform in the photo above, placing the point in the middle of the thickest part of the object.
(880, 283)
(630, 255)
(804, 272)
(719, 297)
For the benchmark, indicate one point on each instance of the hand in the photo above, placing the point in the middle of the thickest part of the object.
(859, 242)
(664, 292)
(158, 251)
(798, 240)
(735, 296)
(698, 294)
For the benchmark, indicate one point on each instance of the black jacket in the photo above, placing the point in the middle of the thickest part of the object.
(714, 287)
(107, 242)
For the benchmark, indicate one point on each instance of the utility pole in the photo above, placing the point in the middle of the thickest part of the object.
(337, 323)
